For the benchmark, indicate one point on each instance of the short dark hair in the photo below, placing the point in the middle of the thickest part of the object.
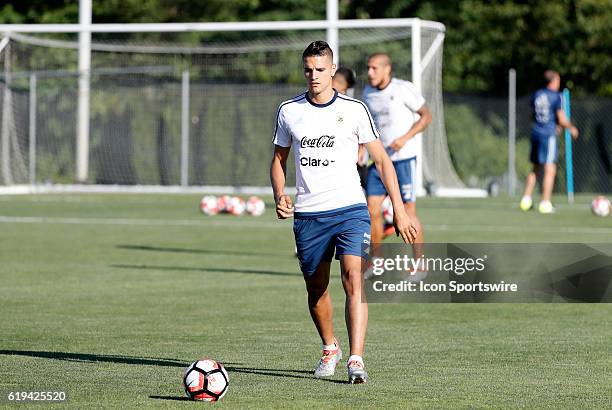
(348, 74)
(318, 48)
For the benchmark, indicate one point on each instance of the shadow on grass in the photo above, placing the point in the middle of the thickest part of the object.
(94, 358)
(159, 361)
(193, 269)
(173, 398)
(201, 251)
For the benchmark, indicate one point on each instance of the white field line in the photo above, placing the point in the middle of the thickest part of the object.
(245, 222)
(94, 199)
(519, 228)
(139, 222)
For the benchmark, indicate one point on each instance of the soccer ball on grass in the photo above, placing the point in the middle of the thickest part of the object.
(255, 206)
(601, 206)
(224, 202)
(236, 206)
(205, 380)
(209, 205)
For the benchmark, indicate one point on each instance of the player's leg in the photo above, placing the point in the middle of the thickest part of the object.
(315, 248)
(550, 171)
(532, 178)
(548, 182)
(356, 316)
(376, 193)
(530, 183)
(352, 244)
(320, 303)
(375, 211)
(321, 311)
(355, 308)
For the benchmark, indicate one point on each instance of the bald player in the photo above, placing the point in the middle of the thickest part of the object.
(400, 114)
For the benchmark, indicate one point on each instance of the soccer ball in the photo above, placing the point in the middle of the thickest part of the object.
(387, 210)
(224, 202)
(236, 206)
(205, 380)
(601, 206)
(209, 205)
(255, 206)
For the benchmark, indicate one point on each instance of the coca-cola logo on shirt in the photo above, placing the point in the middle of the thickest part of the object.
(324, 141)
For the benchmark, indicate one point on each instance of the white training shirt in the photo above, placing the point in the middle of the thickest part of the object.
(394, 109)
(325, 139)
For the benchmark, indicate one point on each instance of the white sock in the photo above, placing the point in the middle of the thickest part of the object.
(526, 197)
(332, 346)
(355, 357)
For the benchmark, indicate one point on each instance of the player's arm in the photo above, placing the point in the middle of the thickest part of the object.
(278, 174)
(418, 127)
(404, 225)
(565, 123)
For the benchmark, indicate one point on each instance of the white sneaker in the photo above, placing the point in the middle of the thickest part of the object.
(526, 203)
(356, 372)
(546, 207)
(328, 362)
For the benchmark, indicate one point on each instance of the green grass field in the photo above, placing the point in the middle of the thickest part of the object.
(108, 297)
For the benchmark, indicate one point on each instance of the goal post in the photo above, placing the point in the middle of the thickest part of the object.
(147, 146)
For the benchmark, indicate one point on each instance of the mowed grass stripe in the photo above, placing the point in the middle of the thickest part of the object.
(245, 223)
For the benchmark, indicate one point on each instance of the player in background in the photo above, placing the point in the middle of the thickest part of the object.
(547, 112)
(400, 113)
(343, 82)
(325, 128)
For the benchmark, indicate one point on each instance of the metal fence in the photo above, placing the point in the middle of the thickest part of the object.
(477, 131)
(138, 132)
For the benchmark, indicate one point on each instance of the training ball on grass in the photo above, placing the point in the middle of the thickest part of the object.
(209, 205)
(236, 206)
(601, 206)
(387, 210)
(224, 202)
(255, 206)
(205, 380)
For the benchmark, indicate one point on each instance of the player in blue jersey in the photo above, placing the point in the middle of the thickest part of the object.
(547, 114)
(325, 128)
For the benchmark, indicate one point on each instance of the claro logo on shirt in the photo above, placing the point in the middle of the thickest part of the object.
(324, 141)
(315, 162)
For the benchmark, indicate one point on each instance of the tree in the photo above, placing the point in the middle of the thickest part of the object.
(483, 39)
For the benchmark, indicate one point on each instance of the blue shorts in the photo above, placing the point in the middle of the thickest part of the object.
(406, 174)
(543, 149)
(318, 234)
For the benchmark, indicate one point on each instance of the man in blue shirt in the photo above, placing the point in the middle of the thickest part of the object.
(548, 115)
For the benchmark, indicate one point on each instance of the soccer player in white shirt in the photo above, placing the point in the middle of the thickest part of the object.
(400, 113)
(324, 129)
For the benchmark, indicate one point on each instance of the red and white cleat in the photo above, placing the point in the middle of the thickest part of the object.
(328, 362)
(356, 372)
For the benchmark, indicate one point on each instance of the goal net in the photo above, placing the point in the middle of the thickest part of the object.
(190, 109)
